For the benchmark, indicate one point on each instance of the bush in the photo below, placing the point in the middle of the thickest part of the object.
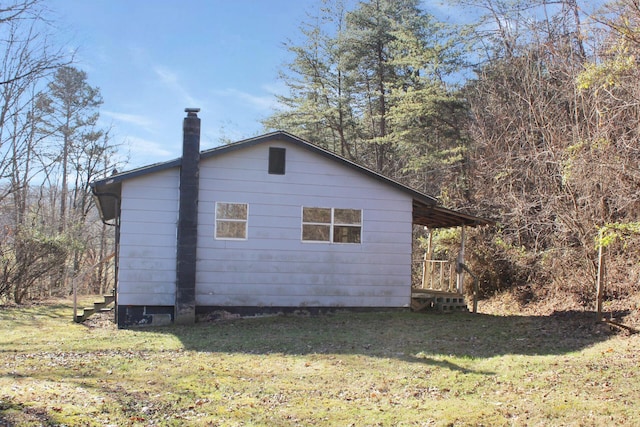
(28, 258)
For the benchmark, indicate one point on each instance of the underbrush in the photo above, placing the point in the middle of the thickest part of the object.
(519, 279)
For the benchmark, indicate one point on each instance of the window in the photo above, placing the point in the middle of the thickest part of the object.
(277, 157)
(231, 220)
(316, 224)
(331, 225)
(347, 225)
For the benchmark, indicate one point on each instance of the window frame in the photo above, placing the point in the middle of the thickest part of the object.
(316, 224)
(332, 226)
(344, 225)
(231, 220)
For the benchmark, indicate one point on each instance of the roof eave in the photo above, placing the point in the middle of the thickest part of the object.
(107, 198)
(439, 217)
(108, 190)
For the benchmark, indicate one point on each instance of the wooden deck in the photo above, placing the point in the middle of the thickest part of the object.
(436, 300)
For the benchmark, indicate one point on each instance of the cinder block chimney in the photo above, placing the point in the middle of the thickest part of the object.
(185, 307)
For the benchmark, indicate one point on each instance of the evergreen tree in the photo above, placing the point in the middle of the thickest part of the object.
(319, 104)
(69, 114)
(357, 85)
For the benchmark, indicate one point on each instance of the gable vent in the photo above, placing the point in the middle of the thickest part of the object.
(277, 160)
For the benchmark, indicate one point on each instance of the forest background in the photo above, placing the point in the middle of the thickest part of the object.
(528, 116)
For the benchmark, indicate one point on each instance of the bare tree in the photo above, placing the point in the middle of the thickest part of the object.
(26, 58)
(555, 144)
(28, 54)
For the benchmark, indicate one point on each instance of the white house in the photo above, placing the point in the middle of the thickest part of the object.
(269, 223)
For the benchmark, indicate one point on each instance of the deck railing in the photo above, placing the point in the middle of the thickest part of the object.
(435, 275)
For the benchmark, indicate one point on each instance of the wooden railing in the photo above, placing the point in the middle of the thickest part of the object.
(435, 275)
(440, 276)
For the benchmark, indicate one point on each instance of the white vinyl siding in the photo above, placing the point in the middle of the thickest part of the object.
(273, 266)
(147, 269)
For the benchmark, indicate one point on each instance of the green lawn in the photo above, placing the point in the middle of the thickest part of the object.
(344, 369)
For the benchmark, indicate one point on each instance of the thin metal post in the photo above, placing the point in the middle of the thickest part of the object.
(426, 265)
(75, 298)
(600, 281)
(460, 262)
(475, 295)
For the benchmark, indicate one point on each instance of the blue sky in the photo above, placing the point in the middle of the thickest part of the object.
(151, 59)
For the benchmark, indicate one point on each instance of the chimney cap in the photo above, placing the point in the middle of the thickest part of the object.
(191, 111)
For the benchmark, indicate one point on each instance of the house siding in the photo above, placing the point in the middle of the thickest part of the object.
(149, 212)
(273, 267)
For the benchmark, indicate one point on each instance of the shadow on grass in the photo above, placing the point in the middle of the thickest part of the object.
(432, 340)
(30, 314)
(416, 337)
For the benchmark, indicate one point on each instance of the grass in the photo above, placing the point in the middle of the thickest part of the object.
(360, 369)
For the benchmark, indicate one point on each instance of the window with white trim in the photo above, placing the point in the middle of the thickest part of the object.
(231, 221)
(331, 225)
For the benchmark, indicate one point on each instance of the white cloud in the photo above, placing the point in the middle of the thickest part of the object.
(276, 88)
(133, 119)
(172, 81)
(448, 12)
(166, 75)
(261, 103)
(145, 152)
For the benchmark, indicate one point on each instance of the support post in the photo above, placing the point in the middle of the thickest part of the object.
(426, 265)
(460, 262)
(600, 281)
(75, 300)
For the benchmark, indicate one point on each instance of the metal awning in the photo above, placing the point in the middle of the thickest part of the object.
(107, 198)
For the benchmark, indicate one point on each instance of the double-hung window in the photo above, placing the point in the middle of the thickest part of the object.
(231, 221)
(331, 225)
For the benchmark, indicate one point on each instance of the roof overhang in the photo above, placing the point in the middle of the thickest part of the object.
(107, 191)
(107, 198)
(433, 216)
(426, 212)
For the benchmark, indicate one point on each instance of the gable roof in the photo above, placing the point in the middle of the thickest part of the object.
(107, 191)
